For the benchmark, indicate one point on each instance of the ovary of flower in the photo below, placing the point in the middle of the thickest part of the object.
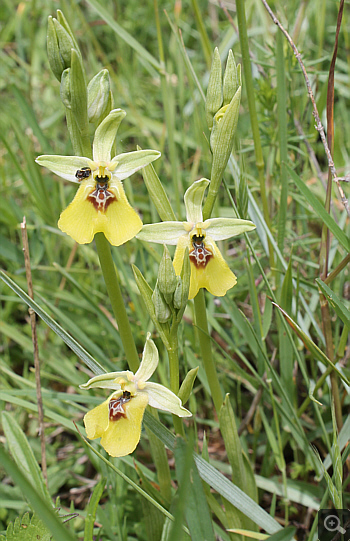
(117, 421)
(100, 204)
(208, 268)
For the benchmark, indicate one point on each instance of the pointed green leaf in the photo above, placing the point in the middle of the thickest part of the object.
(40, 505)
(71, 343)
(336, 303)
(23, 454)
(311, 346)
(320, 210)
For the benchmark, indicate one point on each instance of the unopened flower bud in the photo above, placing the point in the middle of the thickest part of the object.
(232, 79)
(98, 95)
(65, 88)
(166, 276)
(178, 294)
(161, 308)
(55, 59)
(214, 91)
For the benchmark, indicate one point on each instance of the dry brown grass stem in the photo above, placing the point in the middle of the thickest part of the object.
(35, 348)
(319, 127)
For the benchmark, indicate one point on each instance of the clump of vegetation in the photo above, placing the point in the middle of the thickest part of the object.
(194, 128)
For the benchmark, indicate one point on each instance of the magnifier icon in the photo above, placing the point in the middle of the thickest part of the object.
(332, 524)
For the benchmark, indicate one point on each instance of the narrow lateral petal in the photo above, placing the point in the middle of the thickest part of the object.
(184, 242)
(105, 135)
(120, 222)
(130, 162)
(162, 232)
(122, 436)
(79, 218)
(149, 361)
(193, 200)
(225, 228)
(96, 420)
(106, 381)
(64, 166)
(216, 276)
(163, 399)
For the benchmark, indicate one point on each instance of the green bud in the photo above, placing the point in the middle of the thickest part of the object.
(178, 293)
(187, 385)
(98, 94)
(78, 91)
(63, 22)
(231, 82)
(65, 43)
(65, 88)
(167, 276)
(185, 285)
(161, 308)
(53, 52)
(214, 90)
(225, 124)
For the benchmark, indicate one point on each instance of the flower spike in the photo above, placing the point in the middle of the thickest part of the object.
(208, 268)
(117, 421)
(100, 204)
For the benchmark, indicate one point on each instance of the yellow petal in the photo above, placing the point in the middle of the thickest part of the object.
(216, 276)
(122, 436)
(96, 421)
(80, 220)
(182, 244)
(123, 222)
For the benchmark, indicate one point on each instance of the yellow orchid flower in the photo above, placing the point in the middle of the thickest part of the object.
(117, 421)
(208, 267)
(100, 204)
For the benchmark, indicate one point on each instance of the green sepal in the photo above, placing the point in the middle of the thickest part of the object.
(65, 92)
(166, 276)
(214, 90)
(78, 92)
(187, 385)
(161, 309)
(105, 135)
(65, 43)
(193, 200)
(98, 95)
(146, 294)
(231, 79)
(53, 52)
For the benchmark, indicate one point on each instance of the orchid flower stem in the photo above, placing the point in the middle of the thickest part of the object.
(206, 351)
(173, 354)
(117, 301)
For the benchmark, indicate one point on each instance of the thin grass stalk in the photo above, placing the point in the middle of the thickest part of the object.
(35, 350)
(249, 86)
(325, 237)
(282, 136)
(169, 112)
(207, 50)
